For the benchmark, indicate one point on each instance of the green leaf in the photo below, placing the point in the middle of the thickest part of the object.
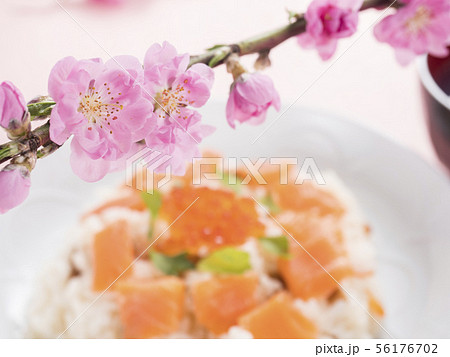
(41, 109)
(171, 265)
(270, 204)
(226, 260)
(215, 47)
(276, 245)
(153, 202)
(236, 187)
(219, 56)
(292, 15)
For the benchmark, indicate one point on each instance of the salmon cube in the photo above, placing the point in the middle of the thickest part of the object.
(278, 318)
(221, 300)
(318, 259)
(317, 274)
(112, 255)
(151, 308)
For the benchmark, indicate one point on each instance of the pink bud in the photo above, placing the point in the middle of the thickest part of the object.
(14, 186)
(250, 97)
(12, 106)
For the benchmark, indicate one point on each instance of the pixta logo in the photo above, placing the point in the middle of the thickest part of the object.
(289, 170)
(148, 170)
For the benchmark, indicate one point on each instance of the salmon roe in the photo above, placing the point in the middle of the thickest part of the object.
(218, 218)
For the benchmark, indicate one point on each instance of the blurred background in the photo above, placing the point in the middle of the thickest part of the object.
(365, 85)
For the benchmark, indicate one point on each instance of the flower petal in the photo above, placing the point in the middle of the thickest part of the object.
(64, 120)
(12, 104)
(14, 187)
(86, 168)
(58, 75)
(158, 54)
(130, 64)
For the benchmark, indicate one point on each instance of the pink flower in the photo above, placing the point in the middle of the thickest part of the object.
(14, 186)
(12, 106)
(176, 89)
(172, 84)
(179, 142)
(421, 26)
(103, 106)
(326, 22)
(251, 95)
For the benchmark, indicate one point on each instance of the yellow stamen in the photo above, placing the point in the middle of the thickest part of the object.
(94, 110)
(420, 19)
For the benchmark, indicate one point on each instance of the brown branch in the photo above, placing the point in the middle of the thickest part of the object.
(217, 55)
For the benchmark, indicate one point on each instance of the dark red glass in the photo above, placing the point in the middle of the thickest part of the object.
(435, 76)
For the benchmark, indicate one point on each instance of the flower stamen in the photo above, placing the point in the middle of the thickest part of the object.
(420, 20)
(96, 110)
(170, 100)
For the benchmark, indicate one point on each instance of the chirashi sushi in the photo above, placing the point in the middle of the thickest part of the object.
(214, 261)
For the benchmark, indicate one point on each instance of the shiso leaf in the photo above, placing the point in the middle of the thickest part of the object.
(227, 261)
(270, 204)
(171, 265)
(153, 201)
(236, 187)
(276, 245)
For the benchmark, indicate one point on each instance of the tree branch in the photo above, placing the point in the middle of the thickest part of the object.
(213, 57)
(32, 142)
(217, 55)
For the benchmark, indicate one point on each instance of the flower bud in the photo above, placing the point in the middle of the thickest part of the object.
(251, 95)
(13, 110)
(14, 186)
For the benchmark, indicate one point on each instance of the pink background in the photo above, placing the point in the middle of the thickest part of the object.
(365, 85)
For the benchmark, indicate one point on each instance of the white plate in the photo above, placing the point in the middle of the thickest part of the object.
(406, 202)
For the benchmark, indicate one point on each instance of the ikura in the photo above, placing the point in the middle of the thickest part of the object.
(218, 218)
